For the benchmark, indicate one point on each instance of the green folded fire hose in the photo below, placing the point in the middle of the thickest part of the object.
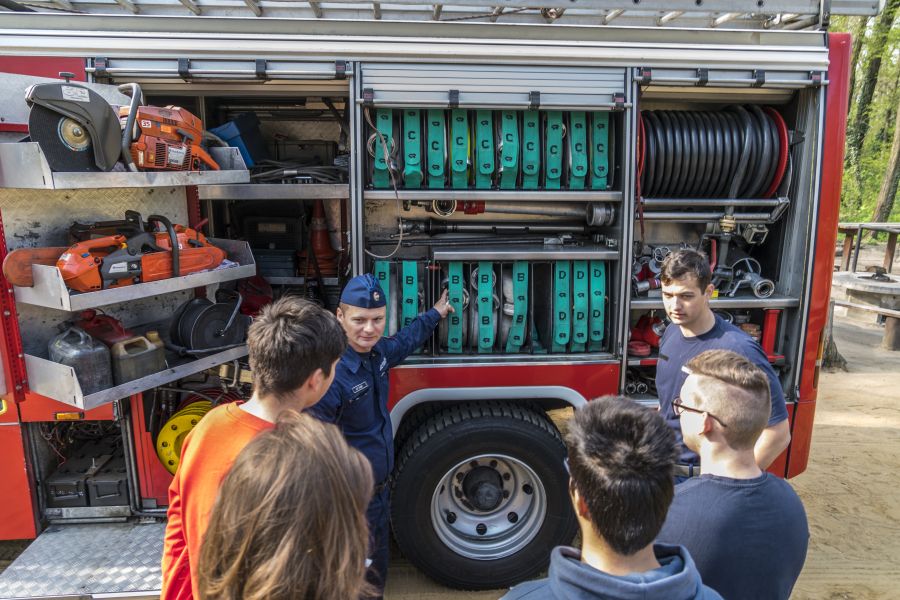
(384, 121)
(531, 150)
(553, 150)
(459, 149)
(578, 157)
(484, 149)
(509, 150)
(412, 149)
(562, 306)
(437, 149)
(382, 274)
(516, 336)
(485, 307)
(455, 286)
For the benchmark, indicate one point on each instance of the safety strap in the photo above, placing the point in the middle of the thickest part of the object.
(485, 307)
(484, 149)
(455, 285)
(578, 158)
(412, 149)
(562, 307)
(516, 337)
(600, 151)
(459, 149)
(580, 301)
(598, 305)
(553, 150)
(383, 276)
(509, 150)
(437, 149)
(384, 121)
(531, 150)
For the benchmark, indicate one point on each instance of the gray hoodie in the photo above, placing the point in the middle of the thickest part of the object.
(571, 579)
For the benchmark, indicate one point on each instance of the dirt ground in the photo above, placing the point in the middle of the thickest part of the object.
(851, 488)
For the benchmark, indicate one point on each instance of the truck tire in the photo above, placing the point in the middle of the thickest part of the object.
(480, 495)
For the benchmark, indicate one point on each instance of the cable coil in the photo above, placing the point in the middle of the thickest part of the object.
(739, 152)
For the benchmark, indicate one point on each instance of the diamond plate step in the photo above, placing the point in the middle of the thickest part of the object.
(83, 560)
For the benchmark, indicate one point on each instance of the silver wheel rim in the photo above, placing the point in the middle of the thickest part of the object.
(471, 529)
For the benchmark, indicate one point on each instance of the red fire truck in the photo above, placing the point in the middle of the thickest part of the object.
(538, 163)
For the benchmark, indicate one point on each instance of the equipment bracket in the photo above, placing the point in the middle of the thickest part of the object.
(184, 68)
(100, 65)
(453, 98)
(815, 78)
(644, 75)
(619, 100)
(702, 77)
(261, 69)
(534, 100)
(340, 69)
(759, 76)
(368, 96)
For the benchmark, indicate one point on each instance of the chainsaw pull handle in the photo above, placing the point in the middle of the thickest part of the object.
(134, 91)
(173, 238)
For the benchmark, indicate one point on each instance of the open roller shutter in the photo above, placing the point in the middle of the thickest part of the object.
(493, 86)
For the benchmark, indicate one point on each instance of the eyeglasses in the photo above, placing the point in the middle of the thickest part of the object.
(678, 407)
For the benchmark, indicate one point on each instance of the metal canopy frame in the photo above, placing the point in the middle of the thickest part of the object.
(766, 14)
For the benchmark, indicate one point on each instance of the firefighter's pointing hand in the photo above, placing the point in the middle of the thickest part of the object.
(443, 305)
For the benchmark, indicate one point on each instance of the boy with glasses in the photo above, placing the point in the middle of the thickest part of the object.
(620, 464)
(745, 528)
(686, 291)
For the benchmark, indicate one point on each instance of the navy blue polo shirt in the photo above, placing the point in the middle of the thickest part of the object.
(357, 399)
(676, 350)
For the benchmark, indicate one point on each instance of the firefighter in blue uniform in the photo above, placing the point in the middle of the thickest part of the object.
(357, 400)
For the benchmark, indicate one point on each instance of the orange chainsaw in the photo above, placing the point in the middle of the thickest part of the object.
(169, 139)
(125, 252)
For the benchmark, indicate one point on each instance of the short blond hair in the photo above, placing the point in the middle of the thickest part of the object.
(736, 391)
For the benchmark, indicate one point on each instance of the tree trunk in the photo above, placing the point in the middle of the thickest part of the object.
(832, 360)
(859, 40)
(884, 123)
(876, 50)
(885, 204)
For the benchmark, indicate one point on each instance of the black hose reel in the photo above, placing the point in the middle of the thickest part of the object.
(203, 327)
(739, 152)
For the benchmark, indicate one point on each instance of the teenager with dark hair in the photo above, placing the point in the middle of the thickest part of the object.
(290, 521)
(294, 346)
(621, 457)
(745, 528)
(686, 292)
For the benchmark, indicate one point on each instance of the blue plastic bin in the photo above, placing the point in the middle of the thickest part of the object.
(243, 133)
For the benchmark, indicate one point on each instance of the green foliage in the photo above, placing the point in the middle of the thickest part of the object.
(863, 174)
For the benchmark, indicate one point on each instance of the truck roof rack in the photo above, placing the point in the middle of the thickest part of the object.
(744, 14)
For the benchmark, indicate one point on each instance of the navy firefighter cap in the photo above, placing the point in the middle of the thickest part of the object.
(363, 291)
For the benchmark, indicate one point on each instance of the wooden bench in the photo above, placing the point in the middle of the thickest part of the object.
(851, 231)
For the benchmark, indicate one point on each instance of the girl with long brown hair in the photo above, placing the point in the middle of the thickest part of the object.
(290, 520)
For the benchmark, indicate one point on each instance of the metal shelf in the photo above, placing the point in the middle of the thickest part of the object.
(23, 165)
(774, 301)
(50, 290)
(298, 280)
(488, 195)
(276, 191)
(59, 382)
(525, 252)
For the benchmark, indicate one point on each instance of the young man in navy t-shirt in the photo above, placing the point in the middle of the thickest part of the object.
(746, 529)
(686, 291)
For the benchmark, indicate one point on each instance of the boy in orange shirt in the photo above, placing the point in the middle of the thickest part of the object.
(293, 346)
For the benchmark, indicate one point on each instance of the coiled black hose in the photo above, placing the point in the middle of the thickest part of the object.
(733, 153)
